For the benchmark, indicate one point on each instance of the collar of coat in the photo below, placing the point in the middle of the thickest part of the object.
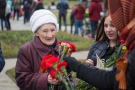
(43, 49)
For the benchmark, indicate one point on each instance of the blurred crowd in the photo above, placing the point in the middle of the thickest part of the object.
(85, 14)
(17, 8)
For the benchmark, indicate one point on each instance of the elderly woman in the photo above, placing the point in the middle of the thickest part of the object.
(44, 26)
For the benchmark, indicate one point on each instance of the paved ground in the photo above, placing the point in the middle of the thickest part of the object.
(5, 82)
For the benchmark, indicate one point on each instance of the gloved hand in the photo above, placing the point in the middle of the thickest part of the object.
(72, 63)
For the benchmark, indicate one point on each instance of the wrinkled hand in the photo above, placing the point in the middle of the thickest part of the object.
(52, 81)
(89, 62)
(72, 63)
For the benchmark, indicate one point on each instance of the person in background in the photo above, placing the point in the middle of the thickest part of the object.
(29, 1)
(72, 21)
(79, 12)
(53, 2)
(26, 9)
(62, 6)
(39, 5)
(8, 13)
(2, 12)
(105, 6)
(94, 15)
(16, 7)
(33, 6)
(2, 61)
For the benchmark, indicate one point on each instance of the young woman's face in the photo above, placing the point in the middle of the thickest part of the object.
(109, 29)
(47, 33)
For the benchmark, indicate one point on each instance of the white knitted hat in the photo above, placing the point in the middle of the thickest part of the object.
(41, 17)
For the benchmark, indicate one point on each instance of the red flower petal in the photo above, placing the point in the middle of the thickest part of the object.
(52, 61)
(53, 72)
(62, 64)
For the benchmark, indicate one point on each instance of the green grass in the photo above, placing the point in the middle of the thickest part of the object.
(70, 2)
(11, 73)
(12, 40)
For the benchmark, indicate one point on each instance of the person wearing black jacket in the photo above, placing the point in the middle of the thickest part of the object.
(2, 61)
(2, 12)
(2, 8)
(122, 76)
(102, 79)
(62, 6)
(39, 5)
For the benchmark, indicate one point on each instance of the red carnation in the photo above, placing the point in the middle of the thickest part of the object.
(52, 61)
(73, 48)
(53, 72)
(62, 64)
(59, 42)
(46, 58)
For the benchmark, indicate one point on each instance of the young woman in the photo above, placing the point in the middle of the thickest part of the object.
(107, 42)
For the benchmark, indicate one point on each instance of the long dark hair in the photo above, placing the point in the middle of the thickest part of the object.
(100, 34)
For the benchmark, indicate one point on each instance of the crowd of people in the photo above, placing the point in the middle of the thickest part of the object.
(116, 25)
(18, 8)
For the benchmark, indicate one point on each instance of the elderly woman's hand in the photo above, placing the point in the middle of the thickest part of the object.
(89, 62)
(52, 81)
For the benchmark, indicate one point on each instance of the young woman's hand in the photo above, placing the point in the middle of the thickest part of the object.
(89, 62)
(52, 81)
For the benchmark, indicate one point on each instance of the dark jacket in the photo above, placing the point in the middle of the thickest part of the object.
(17, 5)
(39, 6)
(94, 10)
(2, 61)
(62, 6)
(28, 65)
(99, 49)
(102, 79)
(2, 8)
(26, 8)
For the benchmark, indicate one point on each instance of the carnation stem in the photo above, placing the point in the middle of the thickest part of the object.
(64, 81)
(68, 80)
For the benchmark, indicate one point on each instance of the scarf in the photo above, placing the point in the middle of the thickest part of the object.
(123, 17)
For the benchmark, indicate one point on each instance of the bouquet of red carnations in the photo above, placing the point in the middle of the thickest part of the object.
(57, 65)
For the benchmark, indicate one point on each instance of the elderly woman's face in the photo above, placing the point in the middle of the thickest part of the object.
(47, 33)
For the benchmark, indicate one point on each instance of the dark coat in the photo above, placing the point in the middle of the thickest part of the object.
(102, 79)
(39, 6)
(130, 75)
(62, 6)
(28, 65)
(2, 8)
(99, 49)
(2, 61)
